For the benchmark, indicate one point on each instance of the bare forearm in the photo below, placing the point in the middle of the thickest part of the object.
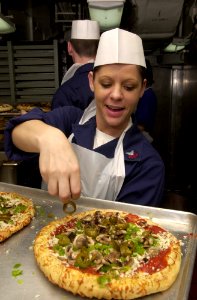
(29, 135)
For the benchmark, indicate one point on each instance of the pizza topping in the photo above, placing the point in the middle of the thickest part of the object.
(16, 212)
(16, 270)
(155, 263)
(156, 229)
(108, 254)
(112, 245)
(9, 208)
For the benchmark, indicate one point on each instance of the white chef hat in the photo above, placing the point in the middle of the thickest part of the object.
(85, 30)
(120, 46)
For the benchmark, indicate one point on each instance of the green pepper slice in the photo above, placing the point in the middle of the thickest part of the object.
(63, 239)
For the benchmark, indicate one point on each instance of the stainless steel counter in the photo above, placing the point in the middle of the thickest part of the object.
(32, 284)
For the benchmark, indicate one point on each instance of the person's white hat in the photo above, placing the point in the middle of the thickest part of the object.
(85, 30)
(120, 46)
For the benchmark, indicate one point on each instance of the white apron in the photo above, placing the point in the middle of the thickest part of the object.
(70, 72)
(101, 177)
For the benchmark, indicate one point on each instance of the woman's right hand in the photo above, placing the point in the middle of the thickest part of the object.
(59, 166)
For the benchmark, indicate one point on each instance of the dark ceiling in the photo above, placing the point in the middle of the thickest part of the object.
(37, 20)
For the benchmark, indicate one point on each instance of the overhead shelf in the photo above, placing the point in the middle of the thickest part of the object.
(28, 73)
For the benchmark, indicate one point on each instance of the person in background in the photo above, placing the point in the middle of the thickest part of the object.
(99, 152)
(147, 106)
(74, 89)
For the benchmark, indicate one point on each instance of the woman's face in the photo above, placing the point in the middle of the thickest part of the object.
(117, 89)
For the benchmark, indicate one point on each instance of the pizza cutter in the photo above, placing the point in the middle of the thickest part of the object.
(69, 207)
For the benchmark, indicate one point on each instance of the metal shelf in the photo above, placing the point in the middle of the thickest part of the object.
(28, 73)
(67, 11)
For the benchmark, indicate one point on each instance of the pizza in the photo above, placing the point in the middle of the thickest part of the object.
(108, 254)
(5, 107)
(46, 107)
(25, 106)
(16, 211)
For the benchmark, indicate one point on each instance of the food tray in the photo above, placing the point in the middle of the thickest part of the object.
(32, 284)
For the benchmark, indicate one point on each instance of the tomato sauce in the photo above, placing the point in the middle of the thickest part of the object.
(155, 229)
(89, 270)
(64, 227)
(156, 263)
(130, 218)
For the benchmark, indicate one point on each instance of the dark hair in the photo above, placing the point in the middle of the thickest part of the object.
(85, 47)
(141, 69)
(149, 73)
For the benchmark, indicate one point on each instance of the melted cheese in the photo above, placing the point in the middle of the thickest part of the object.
(164, 240)
(10, 201)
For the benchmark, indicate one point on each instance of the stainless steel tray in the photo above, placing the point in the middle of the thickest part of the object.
(32, 284)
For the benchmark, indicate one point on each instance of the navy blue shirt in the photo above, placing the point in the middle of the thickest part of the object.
(146, 110)
(76, 90)
(144, 169)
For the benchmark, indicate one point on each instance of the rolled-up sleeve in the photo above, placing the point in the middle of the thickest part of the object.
(11, 151)
(62, 118)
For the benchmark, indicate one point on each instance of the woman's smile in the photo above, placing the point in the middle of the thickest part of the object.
(114, 111)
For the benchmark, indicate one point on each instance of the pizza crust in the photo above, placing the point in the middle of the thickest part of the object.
(5, 107)
(20, 220)
(25, 107)
(85, 284)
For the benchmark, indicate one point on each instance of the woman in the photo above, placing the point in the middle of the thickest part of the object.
(108, 157)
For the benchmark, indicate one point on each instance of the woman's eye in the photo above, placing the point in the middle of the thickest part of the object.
(128, 87)
(106, 85)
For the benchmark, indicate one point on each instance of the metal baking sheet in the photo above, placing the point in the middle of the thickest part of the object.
(32, 284)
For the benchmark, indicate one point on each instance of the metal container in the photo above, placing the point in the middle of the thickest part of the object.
(32, 284)
(8, 169)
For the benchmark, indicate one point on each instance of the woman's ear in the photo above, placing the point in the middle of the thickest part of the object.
(143, 87)
(91, 81)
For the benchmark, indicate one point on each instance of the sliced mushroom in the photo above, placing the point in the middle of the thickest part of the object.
(71, 255)
(120, 232)
(80, 241)
(149, 242)
(98, 217)
(129, 261)
(90, 241)
(87, 218)
(96, 257)
(142, 223)
(112, 257)
(104, 239)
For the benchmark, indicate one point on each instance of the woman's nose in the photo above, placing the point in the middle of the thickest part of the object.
(116, 92)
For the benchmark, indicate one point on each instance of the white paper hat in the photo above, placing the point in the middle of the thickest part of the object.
(120, 46)
(85, 30)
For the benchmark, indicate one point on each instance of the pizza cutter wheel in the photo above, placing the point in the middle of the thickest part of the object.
(69, 207)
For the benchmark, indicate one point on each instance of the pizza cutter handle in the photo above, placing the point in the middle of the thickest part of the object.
(69, 207)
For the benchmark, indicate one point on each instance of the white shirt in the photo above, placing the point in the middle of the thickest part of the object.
(101, 138)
